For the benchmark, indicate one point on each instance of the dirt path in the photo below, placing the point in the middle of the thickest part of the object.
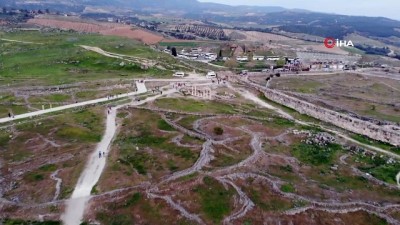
(53, 176)
(248, 95)
(367, 176)
(23, 42)
(204, 159)
(398, 179)
(141, 90)
(251, 96)
(89, 177)
(243, 200)
(178, 207)
(128, 58)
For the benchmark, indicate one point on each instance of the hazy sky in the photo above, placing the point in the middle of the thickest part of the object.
(385, 8)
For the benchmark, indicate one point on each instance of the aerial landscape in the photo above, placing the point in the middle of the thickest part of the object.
(191, 112)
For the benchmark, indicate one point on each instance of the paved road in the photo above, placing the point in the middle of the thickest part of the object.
(140, 86)
(76, 206)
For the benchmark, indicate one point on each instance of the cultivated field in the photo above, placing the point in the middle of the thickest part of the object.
(111, 29)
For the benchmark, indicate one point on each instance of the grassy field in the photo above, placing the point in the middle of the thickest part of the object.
(137, 207)
(189, 105)
(216, 107)
(267, 201)
(379, 144)
(59, 59)
(377, 167)
(314, 154)
(22, 222)
(40, 147)
(143, 151)
(215, 200)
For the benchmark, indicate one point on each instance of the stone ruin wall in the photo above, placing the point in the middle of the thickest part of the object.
(341, 120)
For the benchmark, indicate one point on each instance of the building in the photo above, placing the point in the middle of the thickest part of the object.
(258, 58)
(272, 58)
(242, 58)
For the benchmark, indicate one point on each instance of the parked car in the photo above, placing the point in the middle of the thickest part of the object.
(179, 74)
(211, 75)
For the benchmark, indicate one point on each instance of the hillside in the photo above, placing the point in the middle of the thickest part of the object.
(184, 6)
(265, 19)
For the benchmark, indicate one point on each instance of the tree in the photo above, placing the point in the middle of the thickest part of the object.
(218, 131)
(231, 63)
(220, 54)
(4, 10)
(173, 52)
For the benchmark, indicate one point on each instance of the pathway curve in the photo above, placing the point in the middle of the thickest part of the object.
(254, 98)
(75, 207)
(58, 180)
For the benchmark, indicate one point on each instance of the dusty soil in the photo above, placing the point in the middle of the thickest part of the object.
(162, 161)
(111, 29)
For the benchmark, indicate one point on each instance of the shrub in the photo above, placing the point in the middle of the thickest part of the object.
(218, 131)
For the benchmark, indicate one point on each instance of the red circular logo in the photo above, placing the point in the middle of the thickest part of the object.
(330, 42)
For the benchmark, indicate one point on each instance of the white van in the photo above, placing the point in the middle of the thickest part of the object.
(179, 74)
(211, 75)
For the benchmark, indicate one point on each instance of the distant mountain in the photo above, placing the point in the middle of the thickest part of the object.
(312, 23)
(184, 6)
(293, 21)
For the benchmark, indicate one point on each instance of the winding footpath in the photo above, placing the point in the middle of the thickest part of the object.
(58, 180)
(76, 206)
(250, 96)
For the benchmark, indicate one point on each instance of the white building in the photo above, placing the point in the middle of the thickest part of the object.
(242, 58)
(273, 58)
(196, 50)
(258, 58)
